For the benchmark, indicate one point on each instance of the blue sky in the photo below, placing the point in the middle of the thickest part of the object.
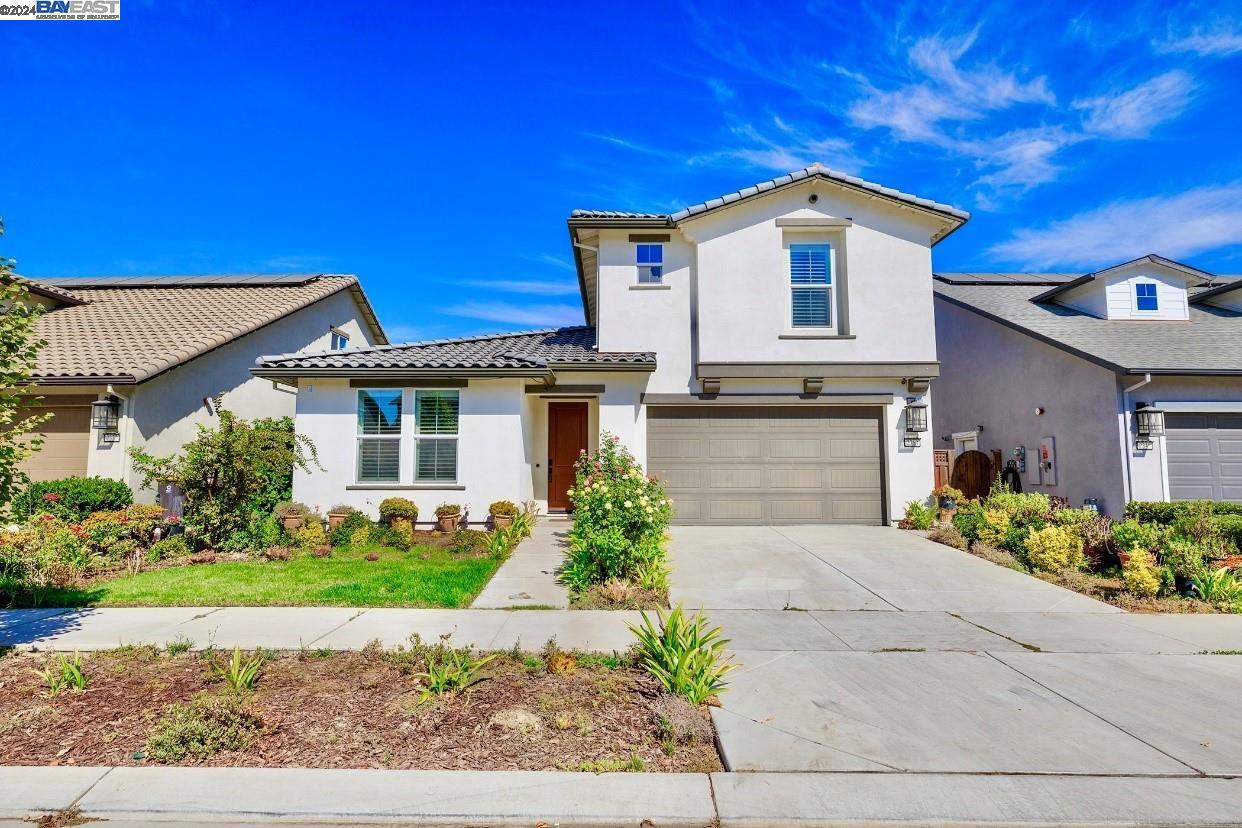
(436, 151)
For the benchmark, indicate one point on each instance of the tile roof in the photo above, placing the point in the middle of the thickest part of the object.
(1209, 343)
(815, 170)
(530, 350)
(49, 291)
(991, 278)
(128, 334)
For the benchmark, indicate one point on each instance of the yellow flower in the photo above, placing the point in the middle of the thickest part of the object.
(570, 492)
(627, 504)
(608, 506)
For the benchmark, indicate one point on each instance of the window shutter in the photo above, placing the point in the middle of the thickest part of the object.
(810, 308)
(379, 411)
(437, 460)
(808, 264)
(437, 411)
(810, 279)
(379, 461)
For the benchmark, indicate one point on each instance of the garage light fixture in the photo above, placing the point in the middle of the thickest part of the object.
(1149, 420)
(916, 423)
(106, 414)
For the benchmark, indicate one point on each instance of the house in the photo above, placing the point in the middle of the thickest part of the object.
(1129, 378)
(758, 352)
(150, 353)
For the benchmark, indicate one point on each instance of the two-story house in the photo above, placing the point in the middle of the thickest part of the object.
(767, 353)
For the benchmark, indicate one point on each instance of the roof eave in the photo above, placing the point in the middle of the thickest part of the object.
(102, 379)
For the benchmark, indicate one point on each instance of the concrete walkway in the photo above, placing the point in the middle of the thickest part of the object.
(528, 578)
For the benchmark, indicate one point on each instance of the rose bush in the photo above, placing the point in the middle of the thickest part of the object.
(620, 515)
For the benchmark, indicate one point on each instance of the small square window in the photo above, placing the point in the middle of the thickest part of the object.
(340, 341)
(1145, 297)
(650, 258)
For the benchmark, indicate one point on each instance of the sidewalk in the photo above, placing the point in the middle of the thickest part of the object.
(528, 578)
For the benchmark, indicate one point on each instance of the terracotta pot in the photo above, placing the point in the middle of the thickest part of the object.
(502, 521)
(293, 522)
(946, 516)
(335, 519)
(448, 523)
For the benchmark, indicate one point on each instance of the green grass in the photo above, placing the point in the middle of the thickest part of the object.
(397, 579)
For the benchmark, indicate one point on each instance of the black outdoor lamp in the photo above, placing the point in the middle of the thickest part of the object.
(916, 423)
(1149, 420)
(106, 414)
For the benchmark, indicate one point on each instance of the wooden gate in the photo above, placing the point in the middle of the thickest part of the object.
(942, 463)
(973, 473)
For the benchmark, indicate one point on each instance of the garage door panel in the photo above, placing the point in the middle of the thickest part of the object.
(66, 444)
(1225, 446)
(769, 464)
(1189, 446)
(1203, 452)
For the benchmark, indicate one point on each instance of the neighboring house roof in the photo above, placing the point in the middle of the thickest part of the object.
(1151, 258)
(529, 353)
(126, 330)
(1231, 283)
(62, 297)
(1209, 343)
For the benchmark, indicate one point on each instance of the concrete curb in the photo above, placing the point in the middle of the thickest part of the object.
(296, 796)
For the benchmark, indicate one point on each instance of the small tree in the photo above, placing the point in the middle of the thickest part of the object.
(231, 474)
(19, 347)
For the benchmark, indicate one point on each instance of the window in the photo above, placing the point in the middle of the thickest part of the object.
(1145, 296)
(340, 341)
(435, 452)
(650, 263)
(379, 435)
(810, 282)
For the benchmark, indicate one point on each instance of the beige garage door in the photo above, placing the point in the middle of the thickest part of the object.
(65, 444)
(1205, 456)
(760, 464)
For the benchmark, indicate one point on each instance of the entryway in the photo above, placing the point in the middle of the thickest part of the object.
(567, 439)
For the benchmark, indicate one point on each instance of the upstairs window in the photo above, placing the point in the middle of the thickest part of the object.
(435, 454)
(1145, 297)
(379, 435)
(810, 284)
(650, 263)
(340, 341)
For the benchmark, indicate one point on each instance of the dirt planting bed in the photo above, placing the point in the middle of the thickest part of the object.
(349, 710)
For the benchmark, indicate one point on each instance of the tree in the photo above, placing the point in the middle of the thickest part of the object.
(19, 346)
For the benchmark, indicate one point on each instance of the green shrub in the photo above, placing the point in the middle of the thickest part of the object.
(968, 519)
(342, 534)
(994, 527)
(72, 498)
(918, 516)
(47, 554)
(1130, 534)
(1054, 548)
(1218, 586)
(683, 653)
(205, 726)
(168, 549)
(620, 516)
(1139, 574)
(1168, 514)
(474, 541)
(309, 535)
(397, 507)
(1019, 508)
(360, 539)
(446, 510)
(1184, 556)
(1230, 528)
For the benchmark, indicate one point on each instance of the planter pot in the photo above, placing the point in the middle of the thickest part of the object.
(448, 523)
(293, 523)
(946, 516)
(502, 521)
(335, 519)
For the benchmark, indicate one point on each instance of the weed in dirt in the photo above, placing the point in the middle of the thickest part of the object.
(451, 672)
(63, 673)
(634, 763)
(205, 726)
(62, 819)
(138, 652)
(610, 661)
(241, 675)
(307, 654)
(1221, 652)
(532, 664)
(179, 645)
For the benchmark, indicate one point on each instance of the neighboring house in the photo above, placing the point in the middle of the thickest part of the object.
(159, 349)
(755, 351)
(1090, 365)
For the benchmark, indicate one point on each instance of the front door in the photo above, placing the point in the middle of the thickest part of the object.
(567, 438)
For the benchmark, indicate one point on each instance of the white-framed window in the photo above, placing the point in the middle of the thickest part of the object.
(1145, 296)
(650, 258)
(810, 285)
(340, 341)
(436, 415)
(379, 435)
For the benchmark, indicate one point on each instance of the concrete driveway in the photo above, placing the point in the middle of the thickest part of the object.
(872, 649)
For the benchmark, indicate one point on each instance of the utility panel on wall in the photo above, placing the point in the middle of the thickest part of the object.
(1048, 460)
(1033, 476)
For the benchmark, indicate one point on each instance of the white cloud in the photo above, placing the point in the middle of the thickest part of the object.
(1181, 225)
(522, 314)
(536, 287)
(1020, 159)
(782, 149)
(1221, 39)
(1134, 112)
(550, 259)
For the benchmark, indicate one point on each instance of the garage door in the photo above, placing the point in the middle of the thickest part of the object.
(805, 464)
(66, 440)
(1205, 456)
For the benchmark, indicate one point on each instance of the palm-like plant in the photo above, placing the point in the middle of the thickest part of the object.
(240, 675)
(1218, 585)
(450, 672)
(683, 653)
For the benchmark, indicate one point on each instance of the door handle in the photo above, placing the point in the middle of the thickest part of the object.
(549, 469)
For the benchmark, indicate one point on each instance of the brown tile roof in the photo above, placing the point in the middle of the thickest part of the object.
(130, 332)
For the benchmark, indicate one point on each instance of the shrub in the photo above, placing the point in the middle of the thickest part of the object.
(994, 527)
(48, 554)
(290, 509)
(1129, 535)
(72, 498)
(1184, 556)
(168, 549)
(1054, 548)
(504, 508)
(398, 507)
(1139, 574)
(949, 536)
(1229, 527)
(1217, 585)
(1021, 508)
(322, 551)
(342, 534)
(360, 539)
(445, 510)
(310, 535)
(918, 516)
(968, 519)
(205, 726)
(683, 654)
(620, 516)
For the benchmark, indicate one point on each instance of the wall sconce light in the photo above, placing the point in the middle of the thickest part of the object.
(916, 415)
(106, 414)
(1149, 420)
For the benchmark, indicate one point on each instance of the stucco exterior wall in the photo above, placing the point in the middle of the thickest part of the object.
(996, 377)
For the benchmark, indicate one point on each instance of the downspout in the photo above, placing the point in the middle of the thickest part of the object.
(1128, 480)
(126, 433)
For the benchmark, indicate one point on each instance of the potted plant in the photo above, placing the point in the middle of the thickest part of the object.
(292, 515)
(337, 515)
(398, 511)
(947, 498)
(447, 516)
(503, 512)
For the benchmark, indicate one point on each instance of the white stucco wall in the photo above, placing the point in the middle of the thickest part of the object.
(1113, 296)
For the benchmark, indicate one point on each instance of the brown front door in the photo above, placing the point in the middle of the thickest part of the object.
(567, 437)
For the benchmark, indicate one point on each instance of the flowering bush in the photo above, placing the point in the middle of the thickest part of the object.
(620, 515)
(72, 498)
(48, 553)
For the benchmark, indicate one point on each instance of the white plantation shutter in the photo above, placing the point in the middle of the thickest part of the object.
(810, 280)
(379, 435)
(436, 416)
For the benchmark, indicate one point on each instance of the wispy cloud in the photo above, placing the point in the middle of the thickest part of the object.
(783, 148)
(1220, 38)
(534, 287)
(1179, 225)
(521, 314)
(550, 259)
(1132, 113)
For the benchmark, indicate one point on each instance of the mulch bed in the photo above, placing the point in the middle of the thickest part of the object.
(358, 710)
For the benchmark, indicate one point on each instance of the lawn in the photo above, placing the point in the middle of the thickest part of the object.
(426, 576)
